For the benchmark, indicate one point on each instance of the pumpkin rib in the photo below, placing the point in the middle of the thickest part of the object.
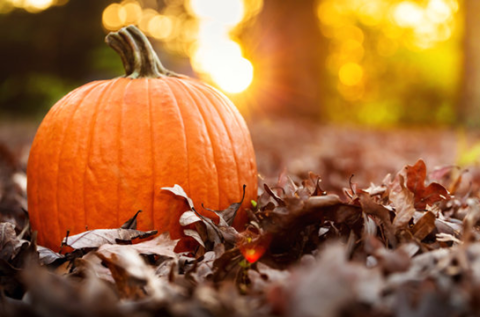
(135, 155)
(199, 95)
(227, 128)
(53, 225)
(182, 121)
(120, 147)
(201, 179)
(169, 147)
(91, 131)
(236, 158)
(152, 150)
(35, 167)
(249, 165)
(242, 127)
(68, 124)
(118, 151)
(206, 124)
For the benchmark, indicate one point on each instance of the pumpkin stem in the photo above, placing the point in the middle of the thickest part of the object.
(138, 56)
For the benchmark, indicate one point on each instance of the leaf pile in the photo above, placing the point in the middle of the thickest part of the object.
(407, 246)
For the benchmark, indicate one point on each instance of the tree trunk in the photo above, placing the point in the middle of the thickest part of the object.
(289, 58)
(469, 108)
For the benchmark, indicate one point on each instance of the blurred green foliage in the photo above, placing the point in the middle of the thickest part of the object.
(36, 93)
(45, 55)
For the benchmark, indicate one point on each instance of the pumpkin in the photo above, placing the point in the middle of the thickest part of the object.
(106, 149)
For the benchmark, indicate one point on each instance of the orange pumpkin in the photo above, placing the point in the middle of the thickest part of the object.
(106, 149)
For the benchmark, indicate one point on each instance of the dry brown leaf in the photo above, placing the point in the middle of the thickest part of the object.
(423, 196)
(161, 246)
(424, 226)
(96, 238)
(133, 278)
(383, 214)
(403, 202)
(48, 256)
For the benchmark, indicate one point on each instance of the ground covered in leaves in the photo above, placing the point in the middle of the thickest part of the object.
(348, 222)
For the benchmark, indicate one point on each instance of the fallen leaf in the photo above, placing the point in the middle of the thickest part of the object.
(96, 238)
(178, 190)
(133, 278)
(195, 235)
(333, 283)
(228, 214)
(370, 207)
(48, 256)
(424, 226)
(279, 201)
(188, 218)
(445, 237)
(9, 242)
(404, 206)
(423, 196)
(161, 245)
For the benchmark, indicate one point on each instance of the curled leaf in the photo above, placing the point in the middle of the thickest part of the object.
(404, 205)
(178, 190)
(423, 196)
(96, 238)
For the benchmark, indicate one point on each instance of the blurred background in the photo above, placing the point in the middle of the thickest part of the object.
(371, 63)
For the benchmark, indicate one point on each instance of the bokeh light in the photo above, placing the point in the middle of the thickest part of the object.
(370, 41)
(31, 6)
(408, 14)
(225, 12)
(111, 17)
(366, 45)
(216, 54)
(350, 74)
(199, 29)
(160, 26)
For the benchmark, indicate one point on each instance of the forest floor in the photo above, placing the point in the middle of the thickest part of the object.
(344, 240)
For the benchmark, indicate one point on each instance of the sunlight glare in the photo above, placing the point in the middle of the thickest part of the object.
(215, 54)
(37, 5)
(207, 56)
(224, 63)
(228, 12)
(438, 11)
(212, 32)
(408, 14)
(233, 76)
(31, 6)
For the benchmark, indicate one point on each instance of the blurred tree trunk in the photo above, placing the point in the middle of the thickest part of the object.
(288, 53)
(47, 52)
(469, 109)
